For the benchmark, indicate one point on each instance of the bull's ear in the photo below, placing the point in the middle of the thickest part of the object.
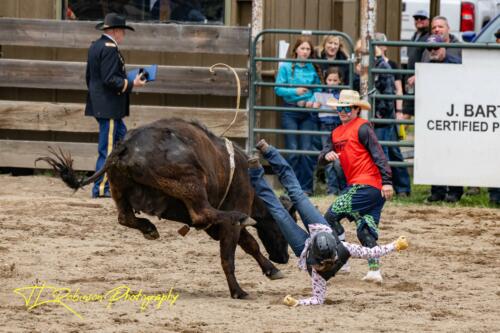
(289, 206)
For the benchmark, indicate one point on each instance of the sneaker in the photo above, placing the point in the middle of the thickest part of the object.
(262, 146)
(346, 269)
(254, 162)
(451, 198)
(435, 197)
(373, 276)
(402, 195)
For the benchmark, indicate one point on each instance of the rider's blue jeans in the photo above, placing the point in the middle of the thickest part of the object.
(294, 235)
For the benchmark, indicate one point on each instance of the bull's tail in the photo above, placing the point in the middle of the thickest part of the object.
(62, 163)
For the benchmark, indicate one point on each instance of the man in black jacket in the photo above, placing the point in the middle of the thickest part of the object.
(108, 91)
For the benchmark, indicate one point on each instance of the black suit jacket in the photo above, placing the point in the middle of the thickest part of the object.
(108, 87)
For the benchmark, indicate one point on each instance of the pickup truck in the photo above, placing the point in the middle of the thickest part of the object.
(462, 15)
(486, 35)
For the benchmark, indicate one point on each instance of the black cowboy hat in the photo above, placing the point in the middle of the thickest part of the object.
(113, 20)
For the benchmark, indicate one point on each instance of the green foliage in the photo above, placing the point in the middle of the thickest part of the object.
(419, 195)
(421, 192)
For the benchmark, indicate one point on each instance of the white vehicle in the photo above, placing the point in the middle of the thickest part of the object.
(469, 15)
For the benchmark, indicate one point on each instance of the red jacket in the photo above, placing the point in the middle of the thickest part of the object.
(361, 156)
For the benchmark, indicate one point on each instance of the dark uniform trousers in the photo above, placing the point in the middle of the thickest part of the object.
(107, 101)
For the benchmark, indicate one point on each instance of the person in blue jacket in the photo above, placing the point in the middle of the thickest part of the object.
(307, 74)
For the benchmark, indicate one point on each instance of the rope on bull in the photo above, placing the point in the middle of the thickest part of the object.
(238, 91)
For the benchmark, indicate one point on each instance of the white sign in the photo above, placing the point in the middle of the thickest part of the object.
(282, 50)
(457, 121)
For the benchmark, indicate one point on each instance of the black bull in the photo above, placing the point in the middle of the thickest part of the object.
(179, 171)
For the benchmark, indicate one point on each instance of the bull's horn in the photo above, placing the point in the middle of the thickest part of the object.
(248, 222)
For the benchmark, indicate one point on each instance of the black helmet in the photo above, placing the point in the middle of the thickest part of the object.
(323, 246)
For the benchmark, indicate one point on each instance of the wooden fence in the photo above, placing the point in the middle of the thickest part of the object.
(47, 117)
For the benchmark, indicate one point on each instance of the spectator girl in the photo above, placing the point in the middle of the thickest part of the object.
(335, 179)
(299, 73)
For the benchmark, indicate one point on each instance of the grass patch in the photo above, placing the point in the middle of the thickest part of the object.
(419, 195)
(421, 192)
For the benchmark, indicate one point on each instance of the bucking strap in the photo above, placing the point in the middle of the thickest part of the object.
(232, 166)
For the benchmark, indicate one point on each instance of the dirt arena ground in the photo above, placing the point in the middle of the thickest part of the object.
(448, 281)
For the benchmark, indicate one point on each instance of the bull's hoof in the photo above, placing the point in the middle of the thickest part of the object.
(147, 228)
(152, 235)
(248, 222)
(240, 295)
(275, 274)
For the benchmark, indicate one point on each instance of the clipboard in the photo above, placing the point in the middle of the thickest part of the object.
(149, 73)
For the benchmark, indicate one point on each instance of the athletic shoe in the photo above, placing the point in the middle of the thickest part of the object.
(262, 146)
(373, 276)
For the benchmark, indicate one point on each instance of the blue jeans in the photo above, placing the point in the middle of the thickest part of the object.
(302, 165)
(294, 235)
(400, 176)
(335, 179)
(110, 132)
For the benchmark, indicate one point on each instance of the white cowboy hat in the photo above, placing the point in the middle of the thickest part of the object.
(349, 98)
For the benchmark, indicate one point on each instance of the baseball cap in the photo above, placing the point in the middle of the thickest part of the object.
(421, 13)
(434, 39)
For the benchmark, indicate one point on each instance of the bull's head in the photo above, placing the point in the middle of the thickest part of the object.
(269, 232)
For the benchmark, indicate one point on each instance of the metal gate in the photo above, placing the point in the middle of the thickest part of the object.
(256, 82)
